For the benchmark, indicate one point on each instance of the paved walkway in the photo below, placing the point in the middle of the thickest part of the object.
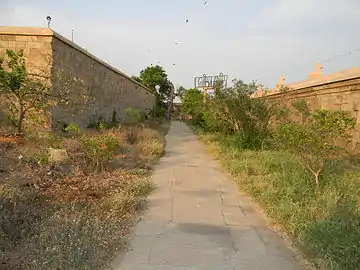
(198, 220)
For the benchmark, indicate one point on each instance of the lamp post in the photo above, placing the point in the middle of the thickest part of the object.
(48, 18)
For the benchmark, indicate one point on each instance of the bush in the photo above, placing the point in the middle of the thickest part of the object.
(99, 149)
(231, 111)
(317, 139)
(73, 129)
(102, 125)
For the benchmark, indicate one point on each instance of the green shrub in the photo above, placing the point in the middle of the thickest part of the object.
(99, 149)
(73, 129)
(102, 125)
(231, 111)
(316, 139)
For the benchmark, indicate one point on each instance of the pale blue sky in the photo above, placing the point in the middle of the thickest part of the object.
(248, 40)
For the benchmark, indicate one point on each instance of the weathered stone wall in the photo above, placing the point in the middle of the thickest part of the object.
(341, 93)
(47, 52)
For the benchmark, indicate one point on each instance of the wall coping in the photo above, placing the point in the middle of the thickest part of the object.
(341, 76)
(344, 75)
(308, 89)
(47, 32)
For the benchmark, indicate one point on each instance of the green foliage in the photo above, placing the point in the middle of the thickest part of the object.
(99, 150)
(156, 75)
(159, 109)
(193, 104)
(301, 106)
(73, 129)
(133, 116)
(317, 139)
(101, 125)
(231, 111)
(281, 114)
(21, 90)
(152, 76)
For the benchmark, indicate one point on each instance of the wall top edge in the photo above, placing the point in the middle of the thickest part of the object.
(303, 90)
(38, 31)
(27, 31)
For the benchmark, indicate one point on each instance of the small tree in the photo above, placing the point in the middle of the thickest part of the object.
(156, 75)
(315, 139)
(24, 91)
(235, 111)
(192, 102)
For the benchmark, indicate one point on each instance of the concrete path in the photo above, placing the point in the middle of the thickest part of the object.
(198, 220)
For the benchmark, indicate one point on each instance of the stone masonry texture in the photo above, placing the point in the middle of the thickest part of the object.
(47, 52)
(197, 219)
(341, 94)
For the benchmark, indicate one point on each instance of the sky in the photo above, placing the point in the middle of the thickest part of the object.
(248, 40)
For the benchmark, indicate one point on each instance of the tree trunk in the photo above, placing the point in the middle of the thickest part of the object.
(316, 176)
(20, 120)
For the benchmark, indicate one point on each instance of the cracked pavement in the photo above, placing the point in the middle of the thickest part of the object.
(197, 219)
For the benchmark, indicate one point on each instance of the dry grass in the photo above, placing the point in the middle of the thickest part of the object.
(66, 216)
(150, 143)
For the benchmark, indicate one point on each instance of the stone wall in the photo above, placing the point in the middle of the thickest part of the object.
(71, 66)
(338, 91)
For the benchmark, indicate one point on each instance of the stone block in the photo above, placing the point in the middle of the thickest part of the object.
(4, 44)
(11, 44)
(7, 38)
(26, 38)
(34, 44)
(58, 155)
